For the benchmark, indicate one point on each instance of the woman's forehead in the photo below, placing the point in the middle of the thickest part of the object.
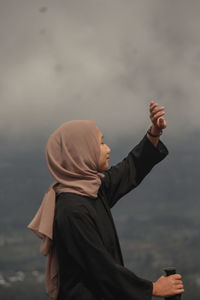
(100, 134)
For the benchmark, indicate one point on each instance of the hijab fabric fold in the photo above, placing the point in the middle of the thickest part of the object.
(72, 154)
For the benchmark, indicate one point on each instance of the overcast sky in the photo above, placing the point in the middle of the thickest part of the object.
(98, 59)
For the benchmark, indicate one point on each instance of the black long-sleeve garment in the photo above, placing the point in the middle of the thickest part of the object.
(90, 260)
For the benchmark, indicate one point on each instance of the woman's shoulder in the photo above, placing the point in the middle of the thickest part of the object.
(72, 209)
(71, 204)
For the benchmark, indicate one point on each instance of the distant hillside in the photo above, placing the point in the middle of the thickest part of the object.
(158, 223)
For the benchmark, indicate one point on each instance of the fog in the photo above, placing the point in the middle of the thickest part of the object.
(101, 60)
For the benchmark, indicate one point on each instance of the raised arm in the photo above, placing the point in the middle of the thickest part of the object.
(126, 175)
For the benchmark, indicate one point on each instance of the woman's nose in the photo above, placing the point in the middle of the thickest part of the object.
(108, 149)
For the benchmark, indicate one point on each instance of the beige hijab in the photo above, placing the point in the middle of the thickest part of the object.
(72, 155)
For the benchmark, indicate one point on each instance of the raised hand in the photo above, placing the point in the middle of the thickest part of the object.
(158, 122)
(156, 116)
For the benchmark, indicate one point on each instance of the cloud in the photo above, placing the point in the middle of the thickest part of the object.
(101, 60)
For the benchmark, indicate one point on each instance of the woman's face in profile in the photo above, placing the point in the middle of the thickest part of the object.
(104, 153)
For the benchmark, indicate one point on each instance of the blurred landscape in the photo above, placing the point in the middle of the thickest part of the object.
(158, 223)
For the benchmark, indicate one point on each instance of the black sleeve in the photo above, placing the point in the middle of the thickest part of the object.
(126, 175)
(85, 246)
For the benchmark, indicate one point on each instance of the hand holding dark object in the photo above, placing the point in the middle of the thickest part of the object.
(170, 286)
(171, 271)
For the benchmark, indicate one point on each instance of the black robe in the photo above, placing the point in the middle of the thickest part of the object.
(90, 260)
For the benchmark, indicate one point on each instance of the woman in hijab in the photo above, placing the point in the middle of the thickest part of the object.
(74, 220)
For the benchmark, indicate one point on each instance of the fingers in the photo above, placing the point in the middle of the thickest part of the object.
(152, 106)
(161, 123)
(177, 283)
(157, 115)
(180, 287)
(180, 291)
(177, 276)
(154, 109)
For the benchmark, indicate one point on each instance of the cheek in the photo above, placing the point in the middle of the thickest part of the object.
(100, 155)
(104, 153)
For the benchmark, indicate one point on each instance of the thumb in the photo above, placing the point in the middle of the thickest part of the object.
(160, 122)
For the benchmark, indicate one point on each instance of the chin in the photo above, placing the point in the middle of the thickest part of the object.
(106, 166)
(103, 168)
